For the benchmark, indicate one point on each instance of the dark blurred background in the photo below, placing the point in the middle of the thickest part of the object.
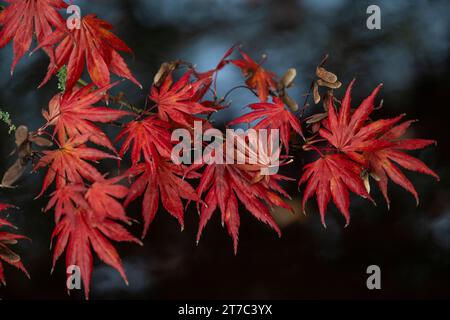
(410, 55)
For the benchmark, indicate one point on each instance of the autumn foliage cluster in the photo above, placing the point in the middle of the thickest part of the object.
(349, 147)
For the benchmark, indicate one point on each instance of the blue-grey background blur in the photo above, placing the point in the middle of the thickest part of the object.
(410, 55)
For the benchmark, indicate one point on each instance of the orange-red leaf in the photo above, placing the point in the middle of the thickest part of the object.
(6, 254)
(224, 185)
(166, 182)
(148, 138)
(73, 114)
(68, 163)
(257, 77)
(331, 177)
(352, 133)
(179, 101)
(82, 228)
(374, 144)
(93, 45)
(381, 161)
(272, 116)
(23, 18)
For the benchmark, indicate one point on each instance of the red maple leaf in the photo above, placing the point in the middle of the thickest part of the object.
(94, 45)
(148, 138)
(351, 133)
(332, 176)
(168, 183)
(211, 75)
(224, 184)
(68, 163)
(374, 144)
(380, 161)
(81, 227)
(103, 197)
(6, 254)
(272, 116)
(72, 114)
(222, 63)
(257, 77)
(22, 18)
(179, 102)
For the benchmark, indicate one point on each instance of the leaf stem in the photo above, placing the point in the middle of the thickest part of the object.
(117, 99)
(235, 88)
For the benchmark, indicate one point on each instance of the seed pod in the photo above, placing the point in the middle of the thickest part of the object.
(10, 242)
(328, 99)
(366, 182)
(316, 93)
(288, 78)
(40, 141)
(375, 176)
(8, 254)
(326, 75)
(334, 85)
(315, 127)
(13, 174)
(290, 103)
(162, 73)
(317, 117)
(21, 135)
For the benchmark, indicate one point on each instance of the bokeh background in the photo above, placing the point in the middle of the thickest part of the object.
(410, 55)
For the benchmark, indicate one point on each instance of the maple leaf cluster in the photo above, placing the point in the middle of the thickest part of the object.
(90, 206)
(6, 240)
(357, 148)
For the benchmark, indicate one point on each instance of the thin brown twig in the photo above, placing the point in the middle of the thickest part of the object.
(117, 99)
(311, 87)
